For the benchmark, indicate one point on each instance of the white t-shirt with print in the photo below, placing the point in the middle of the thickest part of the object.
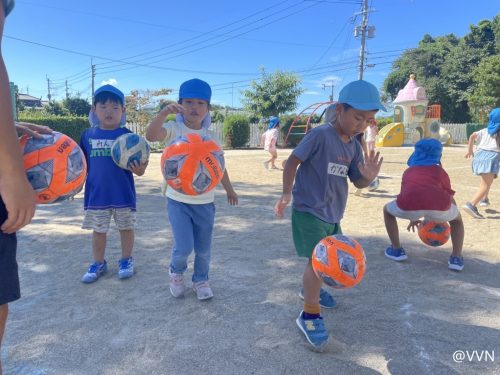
(485, 141)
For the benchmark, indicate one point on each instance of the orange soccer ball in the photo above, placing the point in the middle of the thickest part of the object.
(433, 233)
(55, 166)
(193, 164)
(339, 261)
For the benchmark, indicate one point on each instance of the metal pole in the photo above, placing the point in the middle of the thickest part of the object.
(364, 25)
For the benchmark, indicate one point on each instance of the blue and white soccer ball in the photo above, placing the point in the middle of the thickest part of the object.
(129, 148)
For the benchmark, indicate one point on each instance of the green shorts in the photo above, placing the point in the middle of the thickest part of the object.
(308, 230)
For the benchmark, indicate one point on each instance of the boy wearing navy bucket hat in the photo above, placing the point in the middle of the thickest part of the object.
(326, 157)
(425, 193)
(191, 216)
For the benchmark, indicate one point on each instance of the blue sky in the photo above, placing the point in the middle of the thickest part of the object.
(223, 42)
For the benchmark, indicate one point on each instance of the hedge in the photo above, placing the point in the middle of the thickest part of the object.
(72, 126)
(471, 128)
(236, 130)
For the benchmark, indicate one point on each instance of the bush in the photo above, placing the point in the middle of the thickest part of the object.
(236, 130)
(471, 128)
(72, 126)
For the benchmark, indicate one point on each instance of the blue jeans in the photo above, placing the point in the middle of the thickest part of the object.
(192, 226)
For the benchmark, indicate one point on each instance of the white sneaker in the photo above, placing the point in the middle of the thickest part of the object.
(203, 290)
(484, 202)
(177, 286)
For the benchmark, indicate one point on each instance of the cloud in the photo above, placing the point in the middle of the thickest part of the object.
(309, 92)
(110, 81)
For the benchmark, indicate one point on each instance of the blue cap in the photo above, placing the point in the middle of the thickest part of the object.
(195, 89)
(273, 122)
(494, 123)
(111, 89)
(427, 152)
(361, 95)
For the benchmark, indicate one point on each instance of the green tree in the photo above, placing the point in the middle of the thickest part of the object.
(76, 106)
(56, 109)
(273, 95)
(485, 94)
(141, 105)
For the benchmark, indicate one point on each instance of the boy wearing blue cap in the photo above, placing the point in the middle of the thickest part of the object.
(425, 193)
(326, 157)
(269, 140)
(191, 217)
(109, 189)
(486, 161)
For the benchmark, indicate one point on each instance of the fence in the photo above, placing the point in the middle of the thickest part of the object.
(217, 129)
(460, 133)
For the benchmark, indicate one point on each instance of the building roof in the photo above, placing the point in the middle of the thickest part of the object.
(27, 97)
(411, 92)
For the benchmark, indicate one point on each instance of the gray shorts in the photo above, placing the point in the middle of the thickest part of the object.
(99, 220)
(433, 215)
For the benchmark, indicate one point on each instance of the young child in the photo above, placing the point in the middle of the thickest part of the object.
(371, 135)
(269, 140)
(485, 163)
(425, 193)
(326, 157)
(191, 217)
(109, 189)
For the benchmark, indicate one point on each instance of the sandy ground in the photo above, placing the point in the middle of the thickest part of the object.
(405, 318)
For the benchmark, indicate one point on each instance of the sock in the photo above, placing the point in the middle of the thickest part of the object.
(311, 311)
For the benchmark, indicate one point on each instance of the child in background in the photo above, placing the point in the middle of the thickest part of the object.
(485, 163)
(425, 193)
(371, 135)
(269, 140)
(109, 189)
(191, 217)
(326, 157)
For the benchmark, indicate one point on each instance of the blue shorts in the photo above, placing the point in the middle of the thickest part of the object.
(486, 162)
(9, 277)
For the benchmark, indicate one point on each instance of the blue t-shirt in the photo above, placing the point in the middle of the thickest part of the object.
(321, 182)
(107, 185)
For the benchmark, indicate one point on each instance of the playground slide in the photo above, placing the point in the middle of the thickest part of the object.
(391, 135)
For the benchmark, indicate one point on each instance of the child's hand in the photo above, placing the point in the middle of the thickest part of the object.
(172, 108)
(281, 204)
(371, 168)
(232, 197)
(32, 130)
(469, 155)
(414, 224)
(138, 168)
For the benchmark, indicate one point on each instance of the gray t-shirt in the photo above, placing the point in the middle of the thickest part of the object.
(321, 182)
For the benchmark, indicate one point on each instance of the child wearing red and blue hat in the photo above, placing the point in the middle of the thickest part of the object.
(486, 162)
(425, 193)
(269, 140)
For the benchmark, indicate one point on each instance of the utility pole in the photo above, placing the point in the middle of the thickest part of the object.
(92, 66)
(67, 93)
(331, 85)
(48, 88)
(364, 31)
(232, 95)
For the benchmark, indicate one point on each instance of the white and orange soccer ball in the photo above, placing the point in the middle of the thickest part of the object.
(55, 166)
(339, 261)
(193, 164)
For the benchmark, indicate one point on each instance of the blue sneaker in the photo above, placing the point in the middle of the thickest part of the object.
(456, 263)
(314, 330)
(126, 268)
(95, 271)
(326, 300)
(396, 254)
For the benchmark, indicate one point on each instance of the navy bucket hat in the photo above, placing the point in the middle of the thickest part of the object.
(195, 89)
(428, 151)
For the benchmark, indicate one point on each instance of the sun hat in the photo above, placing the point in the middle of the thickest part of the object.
(195, 89)
(428, 151)
(273, 122)
(111, 89)
(361, 95)
(494, 123)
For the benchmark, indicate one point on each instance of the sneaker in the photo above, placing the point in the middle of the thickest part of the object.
(126, 268)
(456, 263)
(472, 210)
(314, 330)
(325, 299)
(484, 202)
(396, 254)
(95, 271)
(177, 286)
(203, 290)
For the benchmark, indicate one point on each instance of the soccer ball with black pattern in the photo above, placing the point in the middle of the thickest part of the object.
(55, 166)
